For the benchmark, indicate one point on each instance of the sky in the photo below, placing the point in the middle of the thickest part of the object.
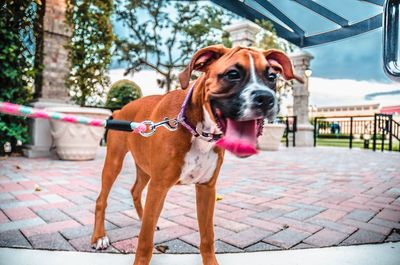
(357, 58)
(351, 67)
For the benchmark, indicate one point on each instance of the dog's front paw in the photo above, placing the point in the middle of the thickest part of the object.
(101, 243)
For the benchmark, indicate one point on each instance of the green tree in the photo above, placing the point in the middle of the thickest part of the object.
(89, 48)
(17, 42)
(269, 39)
(164, 34)
(121, 93)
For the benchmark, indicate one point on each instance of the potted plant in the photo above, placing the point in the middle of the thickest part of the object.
(271, 137)
(77, 141)
(89, 53)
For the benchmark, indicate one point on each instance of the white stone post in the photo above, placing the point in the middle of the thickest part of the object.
(243, 33)
(304, 135)
(56, 66)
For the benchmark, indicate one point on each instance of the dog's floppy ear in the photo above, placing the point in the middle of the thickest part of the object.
(200, 62)
(280, 60)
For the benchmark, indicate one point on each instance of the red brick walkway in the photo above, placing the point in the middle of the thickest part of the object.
(294, 198)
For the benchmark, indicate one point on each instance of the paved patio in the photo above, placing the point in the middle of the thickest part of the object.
(291, 199)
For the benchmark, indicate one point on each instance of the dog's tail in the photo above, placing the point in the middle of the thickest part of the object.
(115, 113)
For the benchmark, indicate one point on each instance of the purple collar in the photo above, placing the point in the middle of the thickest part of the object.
(182, 119)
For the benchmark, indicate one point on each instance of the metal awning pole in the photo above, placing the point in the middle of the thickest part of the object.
(391, 22)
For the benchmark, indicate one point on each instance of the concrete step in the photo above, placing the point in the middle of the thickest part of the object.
(382, 254)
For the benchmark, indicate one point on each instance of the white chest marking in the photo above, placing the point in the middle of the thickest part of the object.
(201, 160)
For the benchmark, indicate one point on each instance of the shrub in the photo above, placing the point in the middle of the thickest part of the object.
(121, 93)
(16, 71)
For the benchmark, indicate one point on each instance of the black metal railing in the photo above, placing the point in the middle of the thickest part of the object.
(385, 128)
(290, 129)
(343, 130)
(396, 130)
(358, 131)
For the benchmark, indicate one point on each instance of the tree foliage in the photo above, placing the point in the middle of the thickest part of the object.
(269, 39)
(163, 35)
(89, 48)
(121, 93)
(16, 59)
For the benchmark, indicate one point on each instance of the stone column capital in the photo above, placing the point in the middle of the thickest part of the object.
(243, 33)
(301, 61)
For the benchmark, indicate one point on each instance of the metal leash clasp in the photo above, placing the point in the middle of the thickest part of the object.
(170, 125)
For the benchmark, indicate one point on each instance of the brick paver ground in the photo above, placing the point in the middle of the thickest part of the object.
(290, 199)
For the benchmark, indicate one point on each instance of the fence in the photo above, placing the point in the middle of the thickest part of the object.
(356, 131)
(388, 129)
(290, 130)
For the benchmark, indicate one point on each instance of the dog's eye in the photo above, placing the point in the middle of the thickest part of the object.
(271, 77)
(232, 75)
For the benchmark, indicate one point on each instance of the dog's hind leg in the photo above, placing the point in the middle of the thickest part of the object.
(141, 181)
(116, 151)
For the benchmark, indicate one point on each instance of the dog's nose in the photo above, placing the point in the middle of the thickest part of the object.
(263, 99)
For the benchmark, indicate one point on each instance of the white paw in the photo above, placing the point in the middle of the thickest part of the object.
(102, 243)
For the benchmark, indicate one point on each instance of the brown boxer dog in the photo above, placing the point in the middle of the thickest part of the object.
(223, 109)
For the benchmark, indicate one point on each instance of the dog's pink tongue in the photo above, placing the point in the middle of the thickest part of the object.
(240, 137)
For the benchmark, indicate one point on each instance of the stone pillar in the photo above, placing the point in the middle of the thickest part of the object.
(243, 33)
(301, 63)
(55, 61)
(53, 91)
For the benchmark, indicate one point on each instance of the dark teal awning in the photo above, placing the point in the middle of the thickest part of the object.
(289, 18)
